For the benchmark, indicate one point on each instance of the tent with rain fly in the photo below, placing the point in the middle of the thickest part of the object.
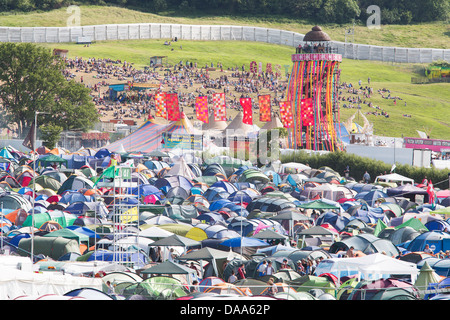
(372, 266)
(53, 247)
(367, 243)
(51, 159)
(269, 204)
(76, 182)
(156, 287)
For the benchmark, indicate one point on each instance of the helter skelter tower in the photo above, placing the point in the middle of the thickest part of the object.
(312, 93)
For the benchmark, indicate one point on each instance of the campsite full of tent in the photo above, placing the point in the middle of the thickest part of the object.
(162, 225)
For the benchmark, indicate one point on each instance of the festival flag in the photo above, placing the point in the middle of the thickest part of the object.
(29, 139)
(173, 109)
(160, 104)
(265, 112)
(246, 104)
(286, 114)
(201, 108)
(431, 194)
(307, 112)
(220, 110)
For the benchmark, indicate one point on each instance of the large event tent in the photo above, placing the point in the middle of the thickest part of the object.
(149, 136)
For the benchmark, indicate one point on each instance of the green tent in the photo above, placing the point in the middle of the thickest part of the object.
(68, 234)
(63, 218)
(426, 276)
(318, 205)
(253, 176)
(414, 223)
(180, 229)
(48, 160)
(48, 246)
(169, 267)
(308, 282)
(379, 227)
(47, 182)
(158, 287)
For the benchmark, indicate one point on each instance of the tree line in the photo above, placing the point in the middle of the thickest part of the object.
(317, 11)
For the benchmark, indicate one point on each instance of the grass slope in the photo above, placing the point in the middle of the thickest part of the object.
(428, 35)
(428, 105)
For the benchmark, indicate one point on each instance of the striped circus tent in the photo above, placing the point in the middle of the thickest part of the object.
(150, 135)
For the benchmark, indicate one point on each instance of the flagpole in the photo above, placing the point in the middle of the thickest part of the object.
(34, 185)
(34, 182)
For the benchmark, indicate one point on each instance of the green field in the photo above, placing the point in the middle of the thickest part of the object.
(428, 105)
(427, 35)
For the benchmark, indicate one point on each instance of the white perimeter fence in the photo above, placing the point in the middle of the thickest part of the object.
(213, 33)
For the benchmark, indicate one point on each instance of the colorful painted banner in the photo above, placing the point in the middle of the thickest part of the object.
(201, 108)
(286, 114)
(160, 104)
(265, 111)
(307, 112)
(183, 141)
(246, 104)
(173, 109)
(220, 110)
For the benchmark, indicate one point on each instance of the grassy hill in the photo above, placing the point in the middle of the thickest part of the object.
(426, 35)
(428, 104)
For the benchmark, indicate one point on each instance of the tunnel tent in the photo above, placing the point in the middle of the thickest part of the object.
(53, 247)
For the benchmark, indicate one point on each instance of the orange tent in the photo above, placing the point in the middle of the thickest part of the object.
(226, 288)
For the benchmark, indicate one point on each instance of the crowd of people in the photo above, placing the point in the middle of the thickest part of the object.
(187, 79)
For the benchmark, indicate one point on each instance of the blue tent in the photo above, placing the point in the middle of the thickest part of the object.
(210, 217)
(225, 185)
(437, 240)
(371, 196)
(276, 179)
(244, 242)
(337, 221)
(240, 196)
(213, 194)
(145, 190)
(74, 196)
(439, 225)
(371, 216)
(102, 153)
(218, 204)
(90, 233)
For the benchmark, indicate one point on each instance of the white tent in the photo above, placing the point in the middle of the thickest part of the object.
(394, 177)
(293, 165)
(373, 266)
(181, 168)
(331, 192)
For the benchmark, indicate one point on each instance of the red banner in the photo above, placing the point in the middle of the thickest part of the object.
(160, 104)
(220, 110)
(307, 112)
(265, 112)
(246, 104)
(286, 114)
(201, 108)
(173, 110)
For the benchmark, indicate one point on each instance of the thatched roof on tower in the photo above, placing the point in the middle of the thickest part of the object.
(316, 35)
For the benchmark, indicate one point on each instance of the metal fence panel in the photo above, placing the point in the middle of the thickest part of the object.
(211, 33)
